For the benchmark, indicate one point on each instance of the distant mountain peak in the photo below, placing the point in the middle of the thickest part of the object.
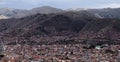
(44, 7)
(46, 10)
(76, 9)
(6, 8)
(18, 13)
(3, 17)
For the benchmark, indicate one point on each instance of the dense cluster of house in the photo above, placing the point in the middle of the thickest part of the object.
(61, 53)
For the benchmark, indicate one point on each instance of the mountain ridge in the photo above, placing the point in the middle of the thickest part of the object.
(19, 13)
(73, 25)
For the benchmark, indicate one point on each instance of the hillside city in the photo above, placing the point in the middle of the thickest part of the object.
(48, 34)
(60, 53)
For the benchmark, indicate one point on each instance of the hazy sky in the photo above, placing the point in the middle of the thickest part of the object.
(63, 4)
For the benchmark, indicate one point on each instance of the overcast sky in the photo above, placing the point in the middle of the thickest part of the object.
(63, 4)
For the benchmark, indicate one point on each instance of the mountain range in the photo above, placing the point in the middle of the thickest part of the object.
(19, 13)
(91, 24)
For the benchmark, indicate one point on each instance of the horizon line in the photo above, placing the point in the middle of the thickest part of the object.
(59, 8)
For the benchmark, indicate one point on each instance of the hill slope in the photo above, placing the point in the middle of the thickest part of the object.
(101, 29)
(82, 25)
(19, 13)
